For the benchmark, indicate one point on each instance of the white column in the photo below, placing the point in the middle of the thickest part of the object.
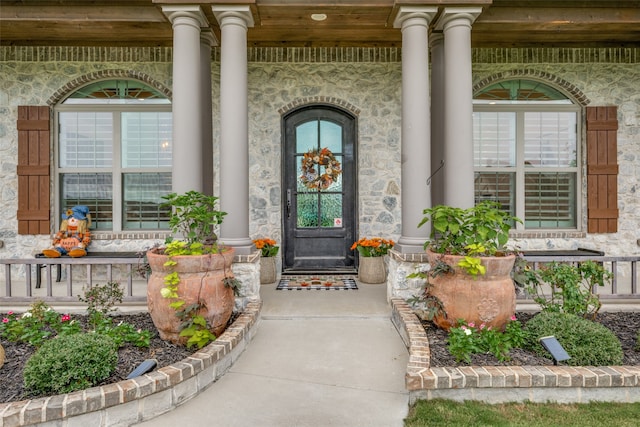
(207, 39)
(187, 120)
(458, 120)
(416, 125)
(234, 126)
(437, 118)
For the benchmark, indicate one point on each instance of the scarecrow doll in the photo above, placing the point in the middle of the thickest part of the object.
(74, 235)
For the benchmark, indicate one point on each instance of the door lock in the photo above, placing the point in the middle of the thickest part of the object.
(289, 203)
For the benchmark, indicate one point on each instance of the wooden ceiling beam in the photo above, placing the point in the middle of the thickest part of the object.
(48, 33)
(318, 34)
(349, 22)
(82, 13)
(560, 15)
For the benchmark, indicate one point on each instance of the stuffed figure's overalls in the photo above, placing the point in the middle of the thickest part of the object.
(74, 235)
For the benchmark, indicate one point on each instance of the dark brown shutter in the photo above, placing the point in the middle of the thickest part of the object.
(33, 170)
(602, 169)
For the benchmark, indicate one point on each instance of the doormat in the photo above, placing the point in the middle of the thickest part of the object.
(327, 283)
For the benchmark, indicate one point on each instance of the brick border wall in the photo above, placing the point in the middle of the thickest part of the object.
(494, 384)
(132, 401)
(506, 55)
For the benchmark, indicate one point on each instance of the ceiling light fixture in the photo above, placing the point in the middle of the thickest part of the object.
(318, 16)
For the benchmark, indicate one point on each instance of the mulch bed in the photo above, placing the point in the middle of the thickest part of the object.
(129, 357)
(625, 325)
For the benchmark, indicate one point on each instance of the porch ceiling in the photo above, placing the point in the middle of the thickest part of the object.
(503, 23)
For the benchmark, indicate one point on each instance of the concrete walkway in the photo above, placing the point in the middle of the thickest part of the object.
(319, 359)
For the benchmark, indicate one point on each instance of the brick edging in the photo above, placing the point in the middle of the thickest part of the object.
(132, 401)
(507, 383)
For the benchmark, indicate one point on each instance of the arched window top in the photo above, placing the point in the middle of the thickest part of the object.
(117, 92)
(520, 91)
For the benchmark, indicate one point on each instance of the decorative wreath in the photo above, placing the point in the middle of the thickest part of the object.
(311, 162)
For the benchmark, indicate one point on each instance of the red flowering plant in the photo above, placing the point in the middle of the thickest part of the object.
(373, 247)
(36, 325)
(40, 322)
(267, 246)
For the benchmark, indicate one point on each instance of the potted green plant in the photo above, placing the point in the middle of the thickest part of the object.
(190, 291)
(470, 267)
(268, 252)
(371, 267)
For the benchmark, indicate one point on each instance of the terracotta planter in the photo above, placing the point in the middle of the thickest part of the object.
(267, 270)
(372, 270)
(488, 298)
(201, 281)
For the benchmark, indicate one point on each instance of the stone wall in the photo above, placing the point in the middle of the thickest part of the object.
(365, 81)
(371, 89)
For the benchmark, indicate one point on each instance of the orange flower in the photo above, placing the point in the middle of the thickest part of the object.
(375, 246)
(267, 246)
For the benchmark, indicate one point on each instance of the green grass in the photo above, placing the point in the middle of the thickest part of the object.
(448, 413)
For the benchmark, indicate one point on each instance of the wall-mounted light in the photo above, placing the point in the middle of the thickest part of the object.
(318, 16)
(554, 347)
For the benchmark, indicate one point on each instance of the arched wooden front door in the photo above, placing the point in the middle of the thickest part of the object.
(319, 223)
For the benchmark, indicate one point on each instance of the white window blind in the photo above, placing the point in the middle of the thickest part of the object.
(142, 200)
(494, 139)
(550, 139)
(146, 139)
(86, 139)
(94, 190)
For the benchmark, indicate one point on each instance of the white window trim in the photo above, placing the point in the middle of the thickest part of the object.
(116, 170)
(520, 108)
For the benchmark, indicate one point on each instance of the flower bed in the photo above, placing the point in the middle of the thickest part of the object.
(495, 384)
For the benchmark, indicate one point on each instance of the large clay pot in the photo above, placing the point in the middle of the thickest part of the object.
(488, 298)
(372, 270)
(201, 281)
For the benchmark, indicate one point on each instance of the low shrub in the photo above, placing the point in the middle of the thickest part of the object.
(588, 343)
(70, 362)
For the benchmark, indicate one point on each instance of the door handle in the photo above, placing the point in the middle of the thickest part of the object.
(289, 203)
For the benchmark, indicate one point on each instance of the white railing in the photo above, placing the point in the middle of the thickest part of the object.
(78, 273)
(624, 282)
(125, 268)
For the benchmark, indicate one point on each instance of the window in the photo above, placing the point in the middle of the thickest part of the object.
(114, 154)
(318, 208)
(526, 153)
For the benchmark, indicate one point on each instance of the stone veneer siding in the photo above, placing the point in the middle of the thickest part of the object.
(142, 398)
(496, 384)
(363, 80)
